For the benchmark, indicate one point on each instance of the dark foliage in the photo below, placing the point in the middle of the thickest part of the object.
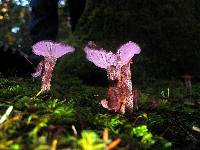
(167, 31)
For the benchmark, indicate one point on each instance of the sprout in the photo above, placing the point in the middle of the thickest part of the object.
(119, 96)
(7, 113)
(51, 51)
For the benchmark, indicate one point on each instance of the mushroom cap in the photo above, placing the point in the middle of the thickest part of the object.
(187, 77)
(51, 49)
(104, 59)
(99, 57)
(127, 51)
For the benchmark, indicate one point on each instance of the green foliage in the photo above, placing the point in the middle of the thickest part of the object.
(155, 119)
(12, 91)
(33, 133)
(196, 90)
(15, 147)
(91, 141)
(111, 122)
(143, 133)
(77, 120)
(63, 114)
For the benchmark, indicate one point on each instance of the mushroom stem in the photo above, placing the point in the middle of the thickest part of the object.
(126, 77)
(119, 96)
(49, 64)
(188, 84)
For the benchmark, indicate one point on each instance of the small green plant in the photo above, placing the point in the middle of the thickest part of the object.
(91, 141)
(33, 134)
(165, 94)
(63, 115)
(141, 116)
(143, 134)
(11, 91)
(155, 119)
(111, 122)
(15, 147)
(53, 104)
(22, 102)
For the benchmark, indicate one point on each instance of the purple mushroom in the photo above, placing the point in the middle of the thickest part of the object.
(119, 96)
(51, 51)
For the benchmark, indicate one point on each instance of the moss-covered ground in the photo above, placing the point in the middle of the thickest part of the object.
(166, 118)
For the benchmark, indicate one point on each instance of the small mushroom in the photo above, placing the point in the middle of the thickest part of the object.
(119, 95)
(188, 84)
(51, 51)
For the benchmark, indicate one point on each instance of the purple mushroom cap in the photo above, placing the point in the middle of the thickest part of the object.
(104, 59)
(51, 49)
(127, 51)
(100, 57)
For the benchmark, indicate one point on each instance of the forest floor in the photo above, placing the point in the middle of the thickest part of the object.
(165, 119)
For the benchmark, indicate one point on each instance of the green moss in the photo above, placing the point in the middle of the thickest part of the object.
(35, 122)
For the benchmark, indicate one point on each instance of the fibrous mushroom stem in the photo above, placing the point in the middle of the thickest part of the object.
(188, 84)
(126, 78)
(120, 96)
(47, 74)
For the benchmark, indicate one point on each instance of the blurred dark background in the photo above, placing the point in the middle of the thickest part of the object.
(168, 33)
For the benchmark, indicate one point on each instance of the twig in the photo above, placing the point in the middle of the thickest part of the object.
(54, 144)
(105, 134)
(196, 129)
(113, 144)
